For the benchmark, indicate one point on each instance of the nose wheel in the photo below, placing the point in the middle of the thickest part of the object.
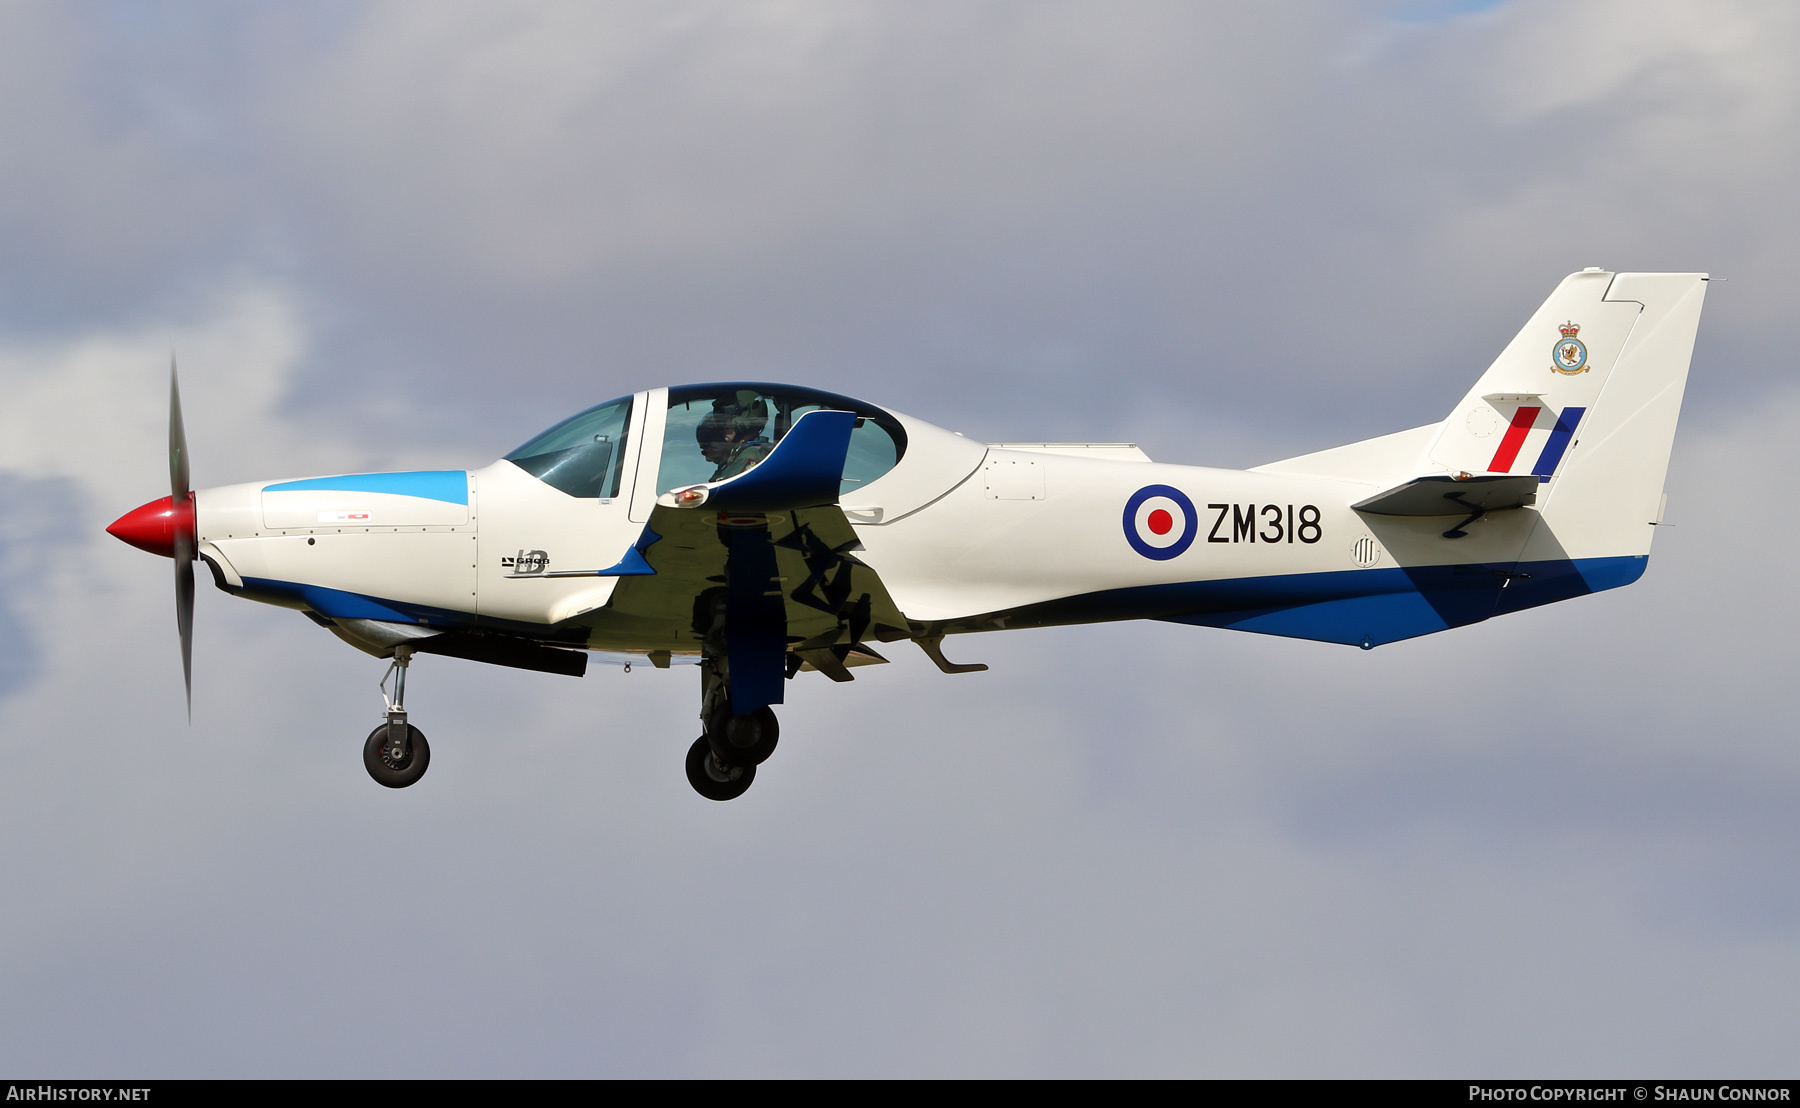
(396, 753)
(396, 768)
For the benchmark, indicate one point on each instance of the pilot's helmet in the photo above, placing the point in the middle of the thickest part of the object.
(712, 428)
(743, 413)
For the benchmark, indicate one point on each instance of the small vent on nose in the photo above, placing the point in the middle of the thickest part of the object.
(1365, 553)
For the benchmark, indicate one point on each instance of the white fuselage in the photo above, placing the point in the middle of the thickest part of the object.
(957, 530)
(1575, 417)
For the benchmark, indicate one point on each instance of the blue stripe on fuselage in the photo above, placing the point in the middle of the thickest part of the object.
(334, 603)
(338, 604)
(1366, 607)
(448, 485)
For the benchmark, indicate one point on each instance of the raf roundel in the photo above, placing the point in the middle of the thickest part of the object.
(1160, 522)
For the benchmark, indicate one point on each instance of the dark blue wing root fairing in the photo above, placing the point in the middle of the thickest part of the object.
(802, 471)
(1364, 608)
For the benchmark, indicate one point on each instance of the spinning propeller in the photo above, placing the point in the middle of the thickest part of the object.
(166, 527)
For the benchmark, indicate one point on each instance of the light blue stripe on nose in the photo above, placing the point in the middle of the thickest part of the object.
(449, 485)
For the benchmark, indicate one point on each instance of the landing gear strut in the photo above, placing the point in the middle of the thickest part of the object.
(396, 753)
(722, 762)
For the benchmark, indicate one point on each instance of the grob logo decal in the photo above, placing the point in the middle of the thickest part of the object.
(526, 563)
(1160, 522)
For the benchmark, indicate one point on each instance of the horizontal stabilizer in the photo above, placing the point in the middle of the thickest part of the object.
(1447, 496)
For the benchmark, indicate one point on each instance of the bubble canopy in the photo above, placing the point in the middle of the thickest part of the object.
(717, 431)
(713, 431)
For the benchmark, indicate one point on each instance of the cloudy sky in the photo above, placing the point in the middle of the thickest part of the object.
(385, 235)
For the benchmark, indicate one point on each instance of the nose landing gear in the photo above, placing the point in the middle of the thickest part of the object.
(396, 753)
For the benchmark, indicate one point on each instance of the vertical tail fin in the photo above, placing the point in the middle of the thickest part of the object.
(1586, 398)
(1610, 488)
(1521, 415)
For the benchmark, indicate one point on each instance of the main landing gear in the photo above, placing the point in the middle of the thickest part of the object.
(722, 762)
(396, 753)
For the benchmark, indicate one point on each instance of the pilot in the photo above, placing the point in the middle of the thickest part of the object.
(730, 435)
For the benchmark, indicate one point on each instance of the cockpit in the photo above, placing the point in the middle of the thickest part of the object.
(709, 433)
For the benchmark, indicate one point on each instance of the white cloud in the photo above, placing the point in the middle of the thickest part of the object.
(95, 407)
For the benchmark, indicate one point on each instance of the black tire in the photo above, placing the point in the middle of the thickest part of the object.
(711, 778)
(396, 775)
(744, 740)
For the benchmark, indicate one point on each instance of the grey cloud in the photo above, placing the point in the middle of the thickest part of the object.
(37, 530)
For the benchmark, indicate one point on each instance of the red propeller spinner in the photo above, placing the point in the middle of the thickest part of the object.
(157, 525)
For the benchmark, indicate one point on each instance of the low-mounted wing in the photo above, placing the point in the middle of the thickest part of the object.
(795, 570)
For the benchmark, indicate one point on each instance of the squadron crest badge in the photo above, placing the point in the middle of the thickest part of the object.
(1570, 355)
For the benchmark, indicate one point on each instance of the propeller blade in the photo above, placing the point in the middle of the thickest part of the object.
(178, 451)
(181, 497)
(184, 618)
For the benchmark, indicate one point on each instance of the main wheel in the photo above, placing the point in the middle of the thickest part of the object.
(743, 740)
(714, 779)
(396, 774)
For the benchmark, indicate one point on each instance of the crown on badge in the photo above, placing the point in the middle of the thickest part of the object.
(1570, 330)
